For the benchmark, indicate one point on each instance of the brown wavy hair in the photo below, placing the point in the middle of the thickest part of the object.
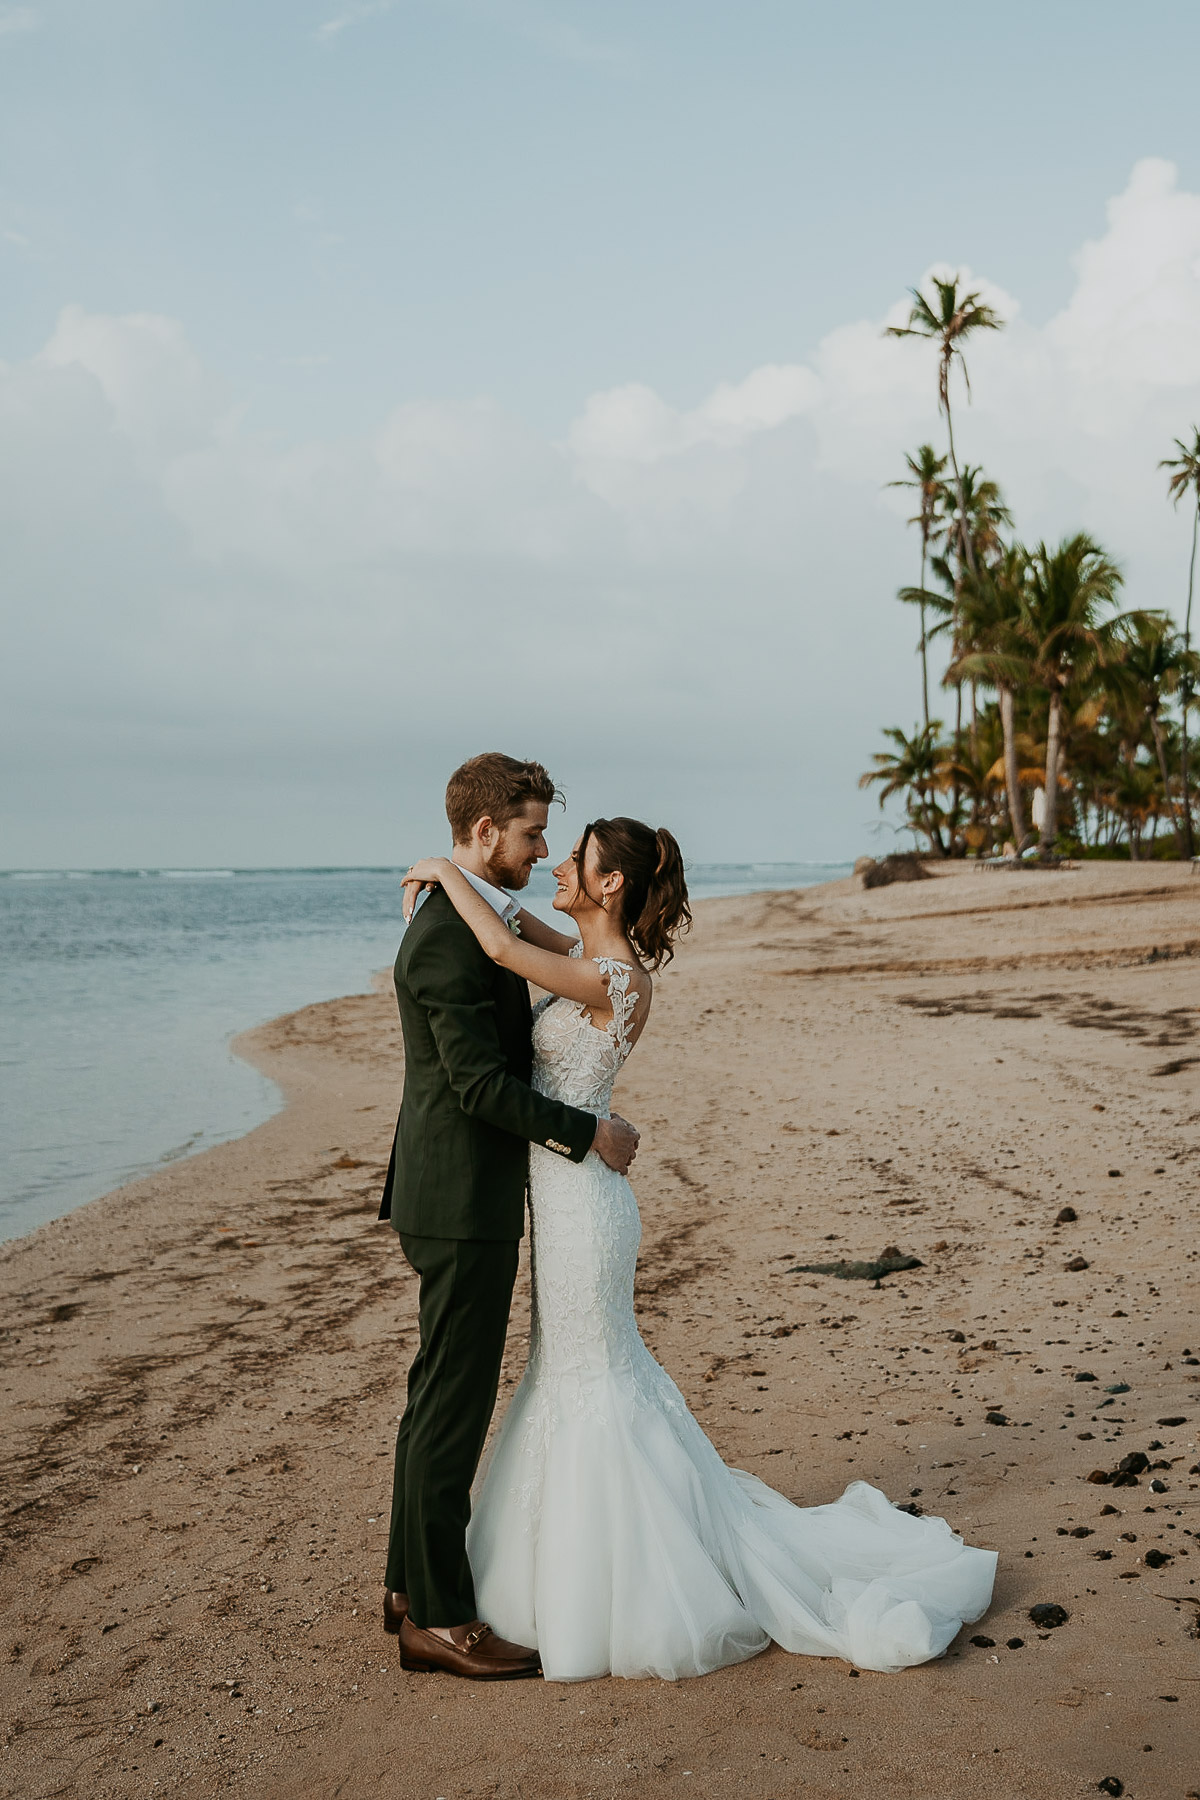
(654, 899)
(497, 787)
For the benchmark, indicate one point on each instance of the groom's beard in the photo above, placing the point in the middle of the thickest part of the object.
(514, 875)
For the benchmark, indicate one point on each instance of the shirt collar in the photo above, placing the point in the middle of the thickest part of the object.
(501, 903)
(497, 899)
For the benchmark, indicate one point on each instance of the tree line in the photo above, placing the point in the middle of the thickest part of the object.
(1070, 732)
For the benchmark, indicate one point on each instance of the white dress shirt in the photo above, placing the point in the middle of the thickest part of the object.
(501, 903)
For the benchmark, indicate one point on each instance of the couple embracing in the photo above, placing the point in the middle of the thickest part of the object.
(605, 1534)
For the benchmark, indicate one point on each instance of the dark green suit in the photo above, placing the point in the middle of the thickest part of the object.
(455, 1193)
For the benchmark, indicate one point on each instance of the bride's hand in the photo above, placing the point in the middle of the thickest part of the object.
(422, 878)
(428, 870)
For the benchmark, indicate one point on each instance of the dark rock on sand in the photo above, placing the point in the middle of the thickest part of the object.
(901, 865)
(889, 1262)
(1047, 1616)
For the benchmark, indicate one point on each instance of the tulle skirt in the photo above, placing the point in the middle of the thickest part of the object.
(608, 1533)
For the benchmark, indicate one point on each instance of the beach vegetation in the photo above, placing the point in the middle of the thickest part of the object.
(1184, 482)
(1078, 738)
(924, 478)
(916, 768)
(948, 316)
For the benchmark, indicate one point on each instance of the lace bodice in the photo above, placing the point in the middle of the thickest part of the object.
(574, 1060)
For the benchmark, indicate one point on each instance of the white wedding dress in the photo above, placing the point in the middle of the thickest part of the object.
(606, 1530)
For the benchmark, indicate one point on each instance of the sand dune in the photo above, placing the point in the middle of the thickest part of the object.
(203, 1373)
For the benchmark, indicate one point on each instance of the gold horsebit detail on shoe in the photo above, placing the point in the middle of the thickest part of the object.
(475, 1636)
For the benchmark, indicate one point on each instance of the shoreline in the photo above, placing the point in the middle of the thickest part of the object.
(206, 1366)
(151, 1093)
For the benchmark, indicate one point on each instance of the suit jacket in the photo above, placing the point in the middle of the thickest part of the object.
(460, 1159)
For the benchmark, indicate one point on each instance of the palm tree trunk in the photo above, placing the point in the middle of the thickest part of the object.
(923, 647)
(1160, 746)
(1050, 820)
(974, 722)
(1189, 848)
(955, 791)
(968, 548)
(1012, 779)
(966, 553)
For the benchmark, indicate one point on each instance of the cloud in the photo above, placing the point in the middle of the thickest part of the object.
(17, 21)
(557, 36)
(161, 396)
(1070, 416)
(1134, 316)
(536, 24)
(690, 609)
(632, 424)
(352, 14)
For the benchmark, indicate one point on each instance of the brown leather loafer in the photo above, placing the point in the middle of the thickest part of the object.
(395, 1611)
(481, 1656)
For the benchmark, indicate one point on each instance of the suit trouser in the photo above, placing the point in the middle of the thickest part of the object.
(466, 1295)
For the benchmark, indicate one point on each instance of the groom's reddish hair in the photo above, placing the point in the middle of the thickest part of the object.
(496, 787)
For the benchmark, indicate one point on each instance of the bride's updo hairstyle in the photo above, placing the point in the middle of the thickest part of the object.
(654, 899)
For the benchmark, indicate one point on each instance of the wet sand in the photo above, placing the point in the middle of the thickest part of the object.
(203, 1371)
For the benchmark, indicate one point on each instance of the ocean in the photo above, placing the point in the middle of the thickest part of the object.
(120, 991)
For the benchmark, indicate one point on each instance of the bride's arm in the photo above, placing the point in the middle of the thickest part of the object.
(536, 931)
(568, 976)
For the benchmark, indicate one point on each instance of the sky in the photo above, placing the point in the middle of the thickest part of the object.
(382, 382)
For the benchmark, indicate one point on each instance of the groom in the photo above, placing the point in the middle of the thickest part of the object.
(455, 1193)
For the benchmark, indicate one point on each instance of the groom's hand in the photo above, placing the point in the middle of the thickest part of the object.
(616, 1142)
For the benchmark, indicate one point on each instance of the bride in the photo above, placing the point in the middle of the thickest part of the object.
(606, 1531)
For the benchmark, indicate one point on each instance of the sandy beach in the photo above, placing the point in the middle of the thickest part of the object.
(203, 1372)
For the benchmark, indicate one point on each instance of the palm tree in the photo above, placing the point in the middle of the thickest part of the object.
(974, 517)
(974, 514)
(1065, 596)
(948, 318)
(975, 773)
(926, 472)
(1134, 797)
(1186, 474)
(917, 768)
(1154, 666)
(995, 651)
